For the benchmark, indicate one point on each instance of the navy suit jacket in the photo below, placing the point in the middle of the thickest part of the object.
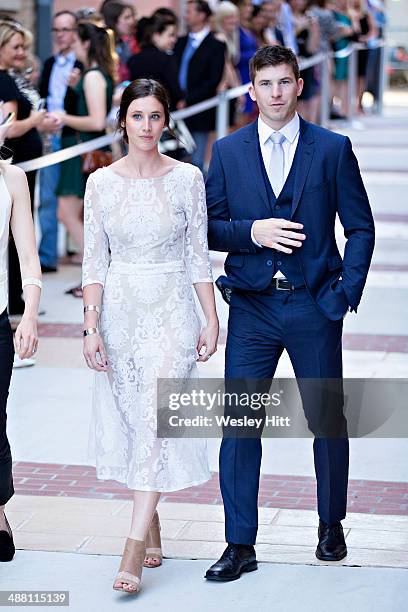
(327, 182)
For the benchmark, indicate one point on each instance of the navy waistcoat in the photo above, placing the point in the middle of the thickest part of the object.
(281, 208)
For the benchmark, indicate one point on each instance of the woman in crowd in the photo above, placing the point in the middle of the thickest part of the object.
(343, 20)
(15, 211)
(121, 19)
(226, 20)
(247, 48)
(94, 98)
(308, 41)
(23, 140)
(158, 35)
(365, 30)
(145, 245)
(258, 25)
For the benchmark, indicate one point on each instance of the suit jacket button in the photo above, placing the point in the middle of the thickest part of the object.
(279, 263)
(269, 262)
(277, 207)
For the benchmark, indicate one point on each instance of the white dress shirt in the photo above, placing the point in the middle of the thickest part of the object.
(198, 37)
(58, 83)
(291, 133)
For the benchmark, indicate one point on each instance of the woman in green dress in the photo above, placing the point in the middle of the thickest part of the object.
(94, 100)
(344, 23)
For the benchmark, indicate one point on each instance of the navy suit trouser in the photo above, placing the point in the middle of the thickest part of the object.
(260, 327)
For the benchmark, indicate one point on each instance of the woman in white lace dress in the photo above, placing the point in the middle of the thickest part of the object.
(145, 246)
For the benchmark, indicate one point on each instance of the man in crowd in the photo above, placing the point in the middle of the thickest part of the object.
(54, 88)
(200, 59)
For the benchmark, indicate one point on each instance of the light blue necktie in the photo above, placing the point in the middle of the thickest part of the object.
(185, 60)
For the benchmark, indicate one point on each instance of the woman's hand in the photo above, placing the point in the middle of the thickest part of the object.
(50, 123)
(58, 117)
(92, 345)
(26, 337)
(208, 339)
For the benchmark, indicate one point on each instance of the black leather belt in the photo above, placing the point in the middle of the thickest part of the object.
(282, 284)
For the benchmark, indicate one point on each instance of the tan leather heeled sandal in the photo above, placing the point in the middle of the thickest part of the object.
(130, 570)
(153, 543)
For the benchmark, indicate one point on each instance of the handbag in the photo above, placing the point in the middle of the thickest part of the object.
(93, 160)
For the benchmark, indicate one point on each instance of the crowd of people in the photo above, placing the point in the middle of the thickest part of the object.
(69, 99)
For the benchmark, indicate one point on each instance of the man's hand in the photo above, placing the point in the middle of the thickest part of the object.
(74, 77)
(278, 234)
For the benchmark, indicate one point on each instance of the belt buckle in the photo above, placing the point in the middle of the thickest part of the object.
(277, 285)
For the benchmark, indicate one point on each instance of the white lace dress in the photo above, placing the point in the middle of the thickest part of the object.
(145, 243)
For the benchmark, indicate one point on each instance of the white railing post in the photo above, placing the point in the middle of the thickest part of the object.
(325, 98)
(222, 115)
(352, 82)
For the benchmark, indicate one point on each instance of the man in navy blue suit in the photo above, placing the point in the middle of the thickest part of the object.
(273, 192)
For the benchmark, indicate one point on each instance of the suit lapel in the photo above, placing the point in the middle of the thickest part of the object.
(201, 49)
(251, 142)
(304, 160)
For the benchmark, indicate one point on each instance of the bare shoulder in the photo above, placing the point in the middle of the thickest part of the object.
(15, 178)
(94, 77)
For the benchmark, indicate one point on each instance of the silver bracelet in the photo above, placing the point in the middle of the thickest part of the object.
(90, 331)
(92, 307)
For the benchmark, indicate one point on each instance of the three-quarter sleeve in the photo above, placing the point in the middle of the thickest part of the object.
(96, 243)
(196, 253)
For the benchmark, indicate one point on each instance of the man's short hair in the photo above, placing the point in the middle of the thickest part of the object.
(273, 55)
(202, 7)
(67, 12)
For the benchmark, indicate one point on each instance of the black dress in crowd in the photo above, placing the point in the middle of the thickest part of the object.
(310, 86)
(152, 63)
(23, 148)
(362, 57)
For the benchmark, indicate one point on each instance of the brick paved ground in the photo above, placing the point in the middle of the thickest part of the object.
(357, 342)
(294, 492)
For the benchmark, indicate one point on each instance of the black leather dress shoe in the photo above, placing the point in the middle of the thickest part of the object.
(235, 560)
(7, 548)
(331, 546)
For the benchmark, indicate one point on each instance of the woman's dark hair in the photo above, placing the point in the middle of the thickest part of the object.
(165, 12)
(148, 26)
(142, 88)
(111, 12)
(272, 55)
(100, 48)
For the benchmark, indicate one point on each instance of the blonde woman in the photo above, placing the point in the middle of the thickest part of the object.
(15, 211)
(226, 22)
(23, 139)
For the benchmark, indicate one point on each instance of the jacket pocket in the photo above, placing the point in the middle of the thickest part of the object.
(334, 263)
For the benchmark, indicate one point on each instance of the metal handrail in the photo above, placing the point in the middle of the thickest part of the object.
(221, 100)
